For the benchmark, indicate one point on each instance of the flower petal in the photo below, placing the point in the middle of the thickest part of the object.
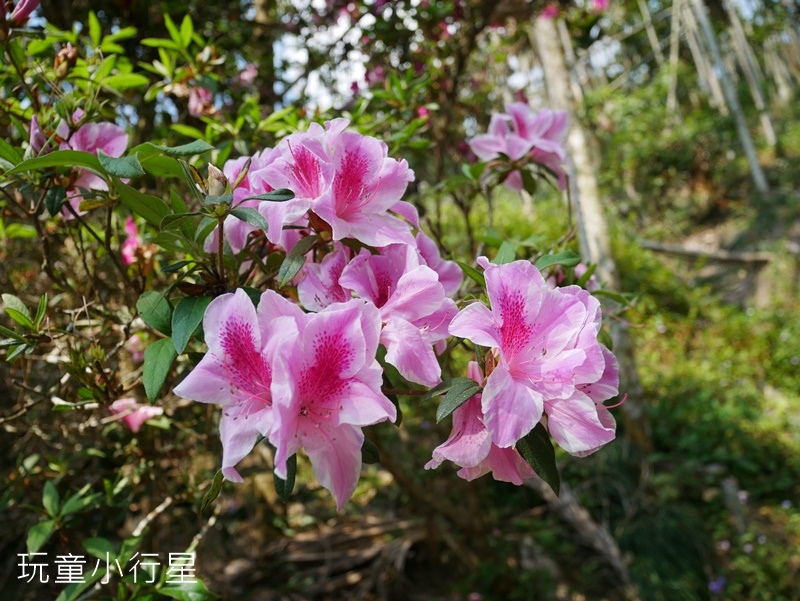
(510, 408)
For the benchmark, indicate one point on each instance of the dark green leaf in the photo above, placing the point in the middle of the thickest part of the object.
(463, 390)
(295, 260)
(565, 257)
(152, 208)
(158, 358)
(99, 547)
(121, 167)
(79, 501)
(156, 311)
(622, 299)
(369, 452)
(20, 318)
(9, 153)
(210, 201)
(60, 158)
(191, 590)
(254, 294)
(187, 316)
(190, 149)
(206, 226)
(444, 387)
(213, 492)
(39, 534)
(250, 216)
(175, 267)
(74, 591)
(505, 254)
(50, 499)
(472, 273)
(529, 182)
(171, 221)
(40, 310)
(54, 198)
(279, 195)
(285, 487)
(537, 450)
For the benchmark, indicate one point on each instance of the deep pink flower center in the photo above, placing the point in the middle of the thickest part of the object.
(306, 171)
(516, 331)
(245, 366)
(349, 183)
(322, 385)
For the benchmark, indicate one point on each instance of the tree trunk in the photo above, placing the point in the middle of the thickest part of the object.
(651, 32)
(741, 48)
(733, 100)
(704, 70)
(674, 49)
(593, 229)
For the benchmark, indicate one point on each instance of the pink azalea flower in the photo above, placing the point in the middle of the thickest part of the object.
(326, 386)
(366, 184)
(135, 347)
(520, 133)
(449, 272)
(90, 137)
(248, 75)
(470, 445)
(320, 285)
(201, 102)
(133, 414)
(236, 372)
(132, 242)
(550, 12)
(599, 6)
(22, 12)
(413, 306)
(546, 344)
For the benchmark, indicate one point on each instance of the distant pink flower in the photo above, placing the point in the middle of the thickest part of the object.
(132, 242)
(519, 133)
(248, 75)
(376, 75)
(550, 11)
(236, 372)
(470, 445)
(22, 11)
(413, 306)
(449, 272)
(326, 386)
(135, 347)
(201, 102)
(599, 6)
(546, 344)
(89, 137)
(423, 112)
(133, 414)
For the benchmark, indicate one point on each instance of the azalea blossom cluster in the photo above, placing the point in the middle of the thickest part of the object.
(524, 137)
(305, 370)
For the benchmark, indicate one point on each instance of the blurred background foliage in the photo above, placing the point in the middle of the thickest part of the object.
(709, 511)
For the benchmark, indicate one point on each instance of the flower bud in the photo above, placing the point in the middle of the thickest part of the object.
(19, 16)
(216, 183)
(65, 60)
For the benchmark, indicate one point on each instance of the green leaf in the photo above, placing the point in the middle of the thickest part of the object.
(11, 333)
(280, 195)
(125, 81)
(121, 167)
(14, 303)
(537, 450)
(60, 158)
(171, 221)
(587, 274)
(156, 311)
(295, 260)
(213, 492)
(187, 31)
(565, 257)
(74, 591)
(161, 166)
(20, 230)
(172, 29)
(50, 499)
(462, 390)
(79, 501)
(175, 267)
(95, 32)
(475, 275)
(188, 131)
(40, 311)
(285, 487)
(54, 199)
(158, 358)
(369, 452)
(191, 590)
(39, 534)
(20, 318)
(187, 316)
(9, 153)
(250, 216)
(505, 254)
(192, 148)
(152, 208)
(99, 547)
